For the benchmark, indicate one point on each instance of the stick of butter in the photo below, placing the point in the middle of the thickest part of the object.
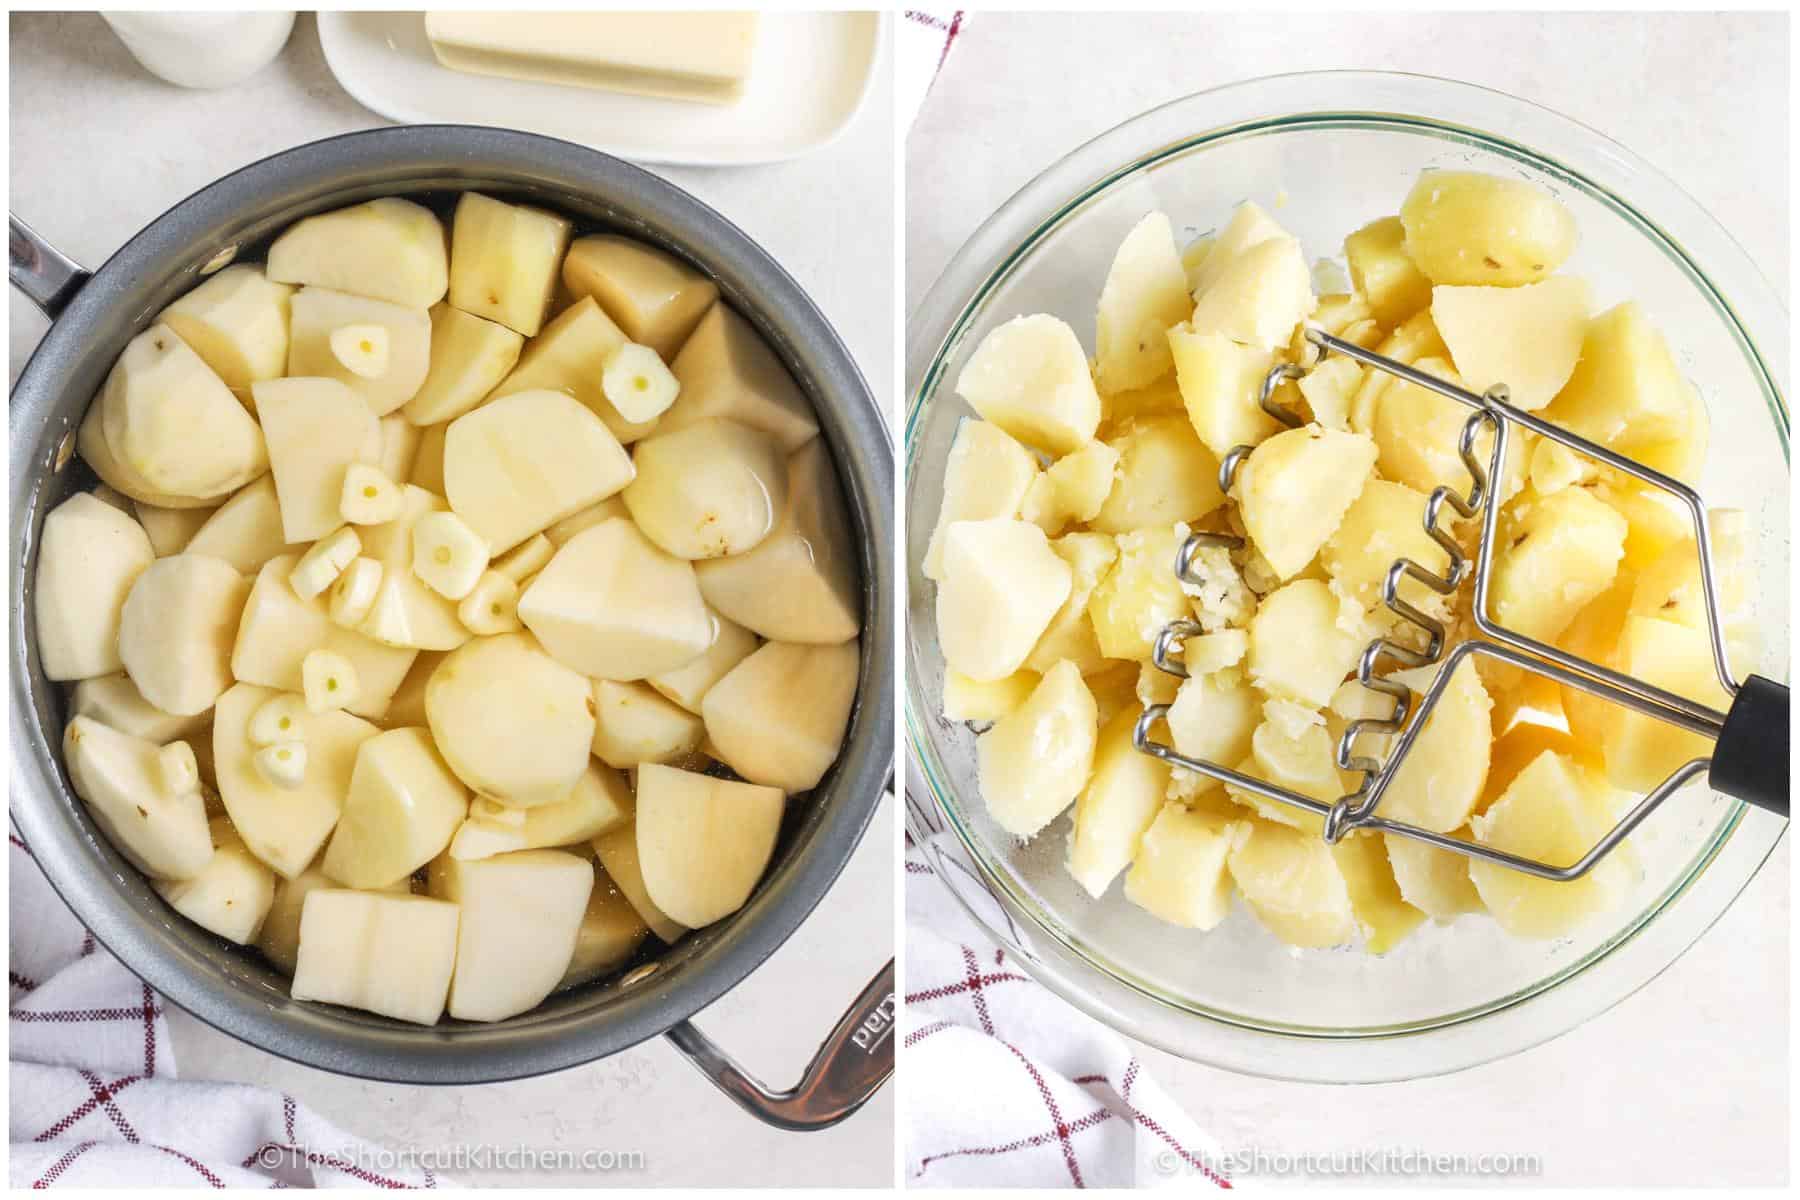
(699, 56)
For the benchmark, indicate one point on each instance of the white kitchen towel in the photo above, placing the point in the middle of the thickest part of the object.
(94, 1100)
(924, 42)
(1007, 1085)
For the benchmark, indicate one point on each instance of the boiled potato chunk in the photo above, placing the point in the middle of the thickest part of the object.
(1074, 488)
(387, 249)
(655, 297)
(1221, 388)
(1641, 751)
(285, 827)
(1121, 799)
(687, 685)
(1381, 910)
(1626, 392)
(610, 933)
(1070, 634)
(1555, 553)
(1418, 432)
(237, 322)
(1260, 296)
(403, 806)
(503, 262)
(1140, 594)
(799, 584)
(115, 702)
(1436, 882)
(319, 312)
(512, 722)
(161, 833)
(89, 556)
(968, 699)
(177, 630)
(1145, 293)
(1441, 781)
(1386, 523)
(1036, 759)
(316, 428)
(570, 356)
(599, 802)
(406, 613)
(726, 369)
(1030, 377)
(1164, 474)
(1384, 274)
(158, 394)
(1555, 812)
(1297, 650)
(469, 358)
(246, 530)
(985, 478)
(633, 724)
(1528, 338)
(1001, 587)
(709, 489)
(779, 717)
(232, 893)
(613, 606)
(1465, 227)
(1180, 869)
(617, 850)
(1292, 882)
(1295, 488)
(386, 954)
(703, 843)
(527, 460)
(1297, 757)
(169, 529)
(279, 629)
(1328, 390)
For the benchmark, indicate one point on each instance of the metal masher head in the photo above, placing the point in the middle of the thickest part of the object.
(1750, 755)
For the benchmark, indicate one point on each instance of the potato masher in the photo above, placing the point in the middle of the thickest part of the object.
(1750, 757)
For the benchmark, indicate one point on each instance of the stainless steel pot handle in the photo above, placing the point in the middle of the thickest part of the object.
(851, 1065)
(48, 277)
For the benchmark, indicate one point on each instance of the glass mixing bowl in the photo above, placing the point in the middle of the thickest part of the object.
(1325, 153)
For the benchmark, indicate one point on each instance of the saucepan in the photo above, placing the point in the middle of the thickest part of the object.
(94, 315)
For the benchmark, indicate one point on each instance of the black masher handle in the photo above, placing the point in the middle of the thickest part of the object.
(1750, 761)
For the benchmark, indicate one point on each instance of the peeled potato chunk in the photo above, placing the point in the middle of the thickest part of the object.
(986, 478)
(968, 699)
(799, 584)
(1436, 882)
(469, 358)
(89, 556)
(237, 322)
(1070, 634)
(1295, 488)
(115, 702)
(570, 356)
(527, 460)
(613, 606)
(1297, 650)
(405, 611)
(1180, 870)
(633, 725)
(316, 429)
(512, 722)
(1384, 274)
(318, 313)
(1140, 594)
(246, 530)
(558, 534)
(1249, 226)
(1121, 799)
(1030, 377)
(387, 249)
(1528, 338)
(1221, 388)
(599, 801)
(1555, 553)
(1164, 474)
(727, 370)
(610, 933)
(402, 809)
(1441, 781)
(779, 717)
(709, 489)
(118, 481)
(1002, 585)
(169, 529)
(1214, 718)
(687, 685)
(617, 850)
(1036, 759)
(655, 297)
(161, 833)
(231, 894)
(1555, 811)
(279, 937)
(285, 827)
(1074, 488)
(386, 954)
(1418, 432)
(1292, 881)
(1259, 297)
(1626, 392)
(1465, 227)
(158, 393)
(503, 262)
(278, 630)
(1382, 912)
(703, 842)
(177, 631)
(1145, 293)
(1641, 751)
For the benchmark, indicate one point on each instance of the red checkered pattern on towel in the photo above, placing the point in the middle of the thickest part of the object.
(94, 1100)
(1009, 1086)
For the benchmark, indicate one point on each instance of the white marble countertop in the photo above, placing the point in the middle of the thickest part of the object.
(98, 149)
(1687, 1081)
